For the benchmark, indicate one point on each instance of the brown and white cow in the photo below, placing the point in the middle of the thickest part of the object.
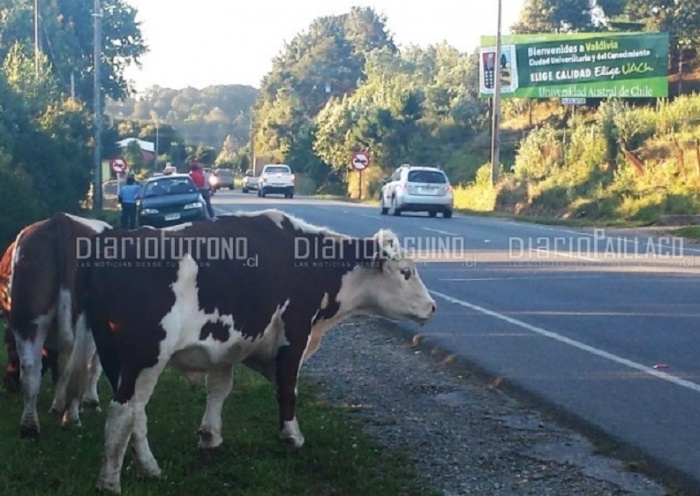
(49, 361)
(258, 288)
(43, 320)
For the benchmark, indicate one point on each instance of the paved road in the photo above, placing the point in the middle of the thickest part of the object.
(601, 324)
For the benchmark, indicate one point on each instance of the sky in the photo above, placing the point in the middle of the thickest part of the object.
(200, 43)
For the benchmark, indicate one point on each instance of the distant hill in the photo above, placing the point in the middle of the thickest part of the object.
(200, 117)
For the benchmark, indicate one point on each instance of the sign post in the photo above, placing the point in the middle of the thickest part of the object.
(359, 162)
(119, 166)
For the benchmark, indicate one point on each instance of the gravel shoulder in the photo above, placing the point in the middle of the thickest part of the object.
(462, 433)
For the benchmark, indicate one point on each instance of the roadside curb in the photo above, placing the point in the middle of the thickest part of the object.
(681, 482)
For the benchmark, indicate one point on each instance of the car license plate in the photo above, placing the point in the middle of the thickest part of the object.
(172, 216)
(428, 190)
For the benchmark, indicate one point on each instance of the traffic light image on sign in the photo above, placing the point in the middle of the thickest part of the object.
(506, 67)
(489, 69)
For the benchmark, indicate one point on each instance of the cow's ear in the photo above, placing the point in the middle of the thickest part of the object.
(388, 243)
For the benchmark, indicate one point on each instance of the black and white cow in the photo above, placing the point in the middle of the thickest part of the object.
(260, 288)
(38, 292)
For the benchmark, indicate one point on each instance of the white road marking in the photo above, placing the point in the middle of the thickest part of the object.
(466, 279)
(439, 231)
(576, 344)
(569, 255)
(368, 216)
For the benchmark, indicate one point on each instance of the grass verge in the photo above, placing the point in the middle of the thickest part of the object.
(690, 232)
(337, 458)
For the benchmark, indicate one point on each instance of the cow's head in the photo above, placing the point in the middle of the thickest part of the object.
(392, 286)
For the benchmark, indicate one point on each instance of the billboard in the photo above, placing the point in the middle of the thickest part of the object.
(576, 65)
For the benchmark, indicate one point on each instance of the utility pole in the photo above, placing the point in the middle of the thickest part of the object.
(97, 42)
(496, 110)
(252, 141)
(36, 38)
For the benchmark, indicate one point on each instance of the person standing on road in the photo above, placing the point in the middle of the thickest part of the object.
(128, 194)
(203, 186)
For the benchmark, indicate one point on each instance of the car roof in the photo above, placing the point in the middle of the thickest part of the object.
(166, 176)
(422, 167)
(277, 165)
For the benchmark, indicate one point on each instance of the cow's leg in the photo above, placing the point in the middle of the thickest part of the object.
(29, 352)
(148, 466)
(91, 398)
(76, 371)
(288, 364)
(126, 418)
(11, 379)
(65, 341)
(219, 385)
(58, 405)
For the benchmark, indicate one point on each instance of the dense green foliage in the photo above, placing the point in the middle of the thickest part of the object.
(343, 86)
(45, 133)
(214, 118)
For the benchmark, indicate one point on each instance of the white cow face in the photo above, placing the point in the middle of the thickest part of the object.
(393, 288)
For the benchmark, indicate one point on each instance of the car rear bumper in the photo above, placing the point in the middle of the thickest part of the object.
(425, 203)
(269, 188)
(159, 220)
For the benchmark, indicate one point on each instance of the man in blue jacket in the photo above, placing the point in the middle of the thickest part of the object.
(127, 199)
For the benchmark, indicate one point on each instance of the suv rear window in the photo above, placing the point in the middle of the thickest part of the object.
(277, 168)
(427, 176)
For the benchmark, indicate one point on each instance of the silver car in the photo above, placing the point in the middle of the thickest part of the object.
(417, 189)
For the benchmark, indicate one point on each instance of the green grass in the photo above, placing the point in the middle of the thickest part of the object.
(337, 458)
(691, 232)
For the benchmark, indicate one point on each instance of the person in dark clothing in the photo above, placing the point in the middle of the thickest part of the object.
(128, 194)
(203, 186)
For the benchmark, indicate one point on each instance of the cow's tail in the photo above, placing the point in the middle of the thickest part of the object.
(90, 300)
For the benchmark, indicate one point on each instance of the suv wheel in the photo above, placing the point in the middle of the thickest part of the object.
(447, 214)
(394, 211)
(383, 210)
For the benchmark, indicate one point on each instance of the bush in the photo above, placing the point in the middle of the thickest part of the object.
(539, 155)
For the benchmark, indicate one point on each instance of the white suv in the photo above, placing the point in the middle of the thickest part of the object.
(276, 178)
(417, 189)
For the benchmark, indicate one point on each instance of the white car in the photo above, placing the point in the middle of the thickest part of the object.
(417, 189)
(276, 178)
(250, 181)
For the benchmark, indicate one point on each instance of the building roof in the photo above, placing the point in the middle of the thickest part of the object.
(146, 146)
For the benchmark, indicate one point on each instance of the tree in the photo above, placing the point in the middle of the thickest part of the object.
(67, 41)
(204, 116)
(227, 155)
(554, 16)
(318, 67)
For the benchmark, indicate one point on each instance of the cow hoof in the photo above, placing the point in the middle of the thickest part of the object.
(113, 487)
(208, 440)
(91, 406)
(296, 441)
(150, 473)
(68, 423)
(29, 432)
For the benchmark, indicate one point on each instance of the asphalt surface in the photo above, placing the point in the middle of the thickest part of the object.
(600, 324)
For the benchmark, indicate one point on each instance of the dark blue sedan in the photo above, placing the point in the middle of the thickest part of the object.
(170, 200)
